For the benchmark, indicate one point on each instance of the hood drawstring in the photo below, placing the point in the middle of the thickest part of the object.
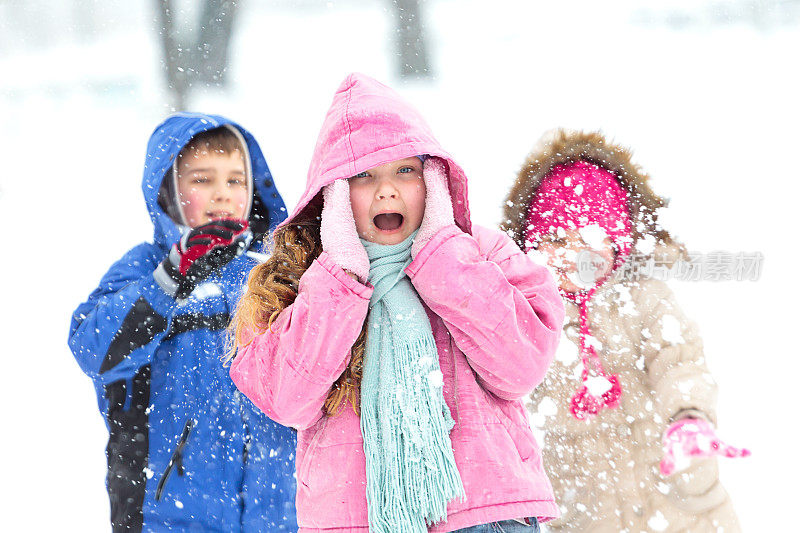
(585, 403)
(576, 196)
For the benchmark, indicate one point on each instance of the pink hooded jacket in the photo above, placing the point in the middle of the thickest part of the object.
(495, 315)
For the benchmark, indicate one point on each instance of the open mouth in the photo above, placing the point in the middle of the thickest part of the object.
(219, 214)
(388, 221)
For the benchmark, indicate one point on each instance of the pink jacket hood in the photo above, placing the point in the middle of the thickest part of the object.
(367, 125)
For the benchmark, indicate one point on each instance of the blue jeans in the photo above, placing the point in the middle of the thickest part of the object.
(506, 526)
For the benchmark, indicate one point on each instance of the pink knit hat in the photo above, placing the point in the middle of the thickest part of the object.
(577, 196)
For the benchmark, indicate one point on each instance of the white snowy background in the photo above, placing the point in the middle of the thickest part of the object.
(706, 93)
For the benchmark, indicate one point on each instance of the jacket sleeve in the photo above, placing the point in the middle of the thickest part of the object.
(677, 372)
(502, 310)
(117, 330)
(673, 358)
(288, 371)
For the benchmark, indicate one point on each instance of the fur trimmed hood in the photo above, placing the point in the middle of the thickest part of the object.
(563, 146)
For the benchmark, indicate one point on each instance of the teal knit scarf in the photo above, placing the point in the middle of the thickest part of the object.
(405, 422)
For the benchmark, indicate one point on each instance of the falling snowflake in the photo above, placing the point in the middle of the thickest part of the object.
(671, 329)
(658, 522)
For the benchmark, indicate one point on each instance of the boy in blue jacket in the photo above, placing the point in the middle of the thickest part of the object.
(186, 450)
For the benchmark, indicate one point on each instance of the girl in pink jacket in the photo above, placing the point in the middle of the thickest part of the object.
(398, 338)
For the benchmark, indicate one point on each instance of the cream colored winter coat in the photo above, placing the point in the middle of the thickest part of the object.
(605, 470)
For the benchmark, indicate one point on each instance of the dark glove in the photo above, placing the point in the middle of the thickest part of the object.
(200, 252)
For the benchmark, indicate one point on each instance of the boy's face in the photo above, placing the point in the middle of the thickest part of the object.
(212, 185)
(388, 201)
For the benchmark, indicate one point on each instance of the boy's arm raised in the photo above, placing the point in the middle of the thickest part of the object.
(503, 310)
(289, 370)
(674, 358)
(685, 394)
(116, 331)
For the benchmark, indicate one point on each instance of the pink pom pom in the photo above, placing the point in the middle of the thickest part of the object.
(584, 404)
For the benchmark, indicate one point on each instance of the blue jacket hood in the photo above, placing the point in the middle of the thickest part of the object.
(164, 146)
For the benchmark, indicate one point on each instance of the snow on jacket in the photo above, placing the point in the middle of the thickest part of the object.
(186, 450)
(605, 469)
(495, 316)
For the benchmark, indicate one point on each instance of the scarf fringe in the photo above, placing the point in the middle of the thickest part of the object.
(410, 486)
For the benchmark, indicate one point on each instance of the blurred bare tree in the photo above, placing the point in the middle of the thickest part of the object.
(204, 60)
(412, 52)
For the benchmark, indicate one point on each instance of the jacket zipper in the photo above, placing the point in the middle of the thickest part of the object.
(177, 458)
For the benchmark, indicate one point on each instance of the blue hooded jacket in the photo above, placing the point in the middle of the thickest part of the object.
(186, 450)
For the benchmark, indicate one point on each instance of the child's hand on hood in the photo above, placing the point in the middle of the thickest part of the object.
(438, 204)
(338, 231)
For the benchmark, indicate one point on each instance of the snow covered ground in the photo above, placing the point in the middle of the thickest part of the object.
(710, 108)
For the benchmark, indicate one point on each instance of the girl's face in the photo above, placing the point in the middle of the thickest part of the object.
(578, 265)
(212, 185)
(388, 201)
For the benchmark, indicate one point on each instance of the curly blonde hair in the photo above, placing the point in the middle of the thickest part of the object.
(272, 287)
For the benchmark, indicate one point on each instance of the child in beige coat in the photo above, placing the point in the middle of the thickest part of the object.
(630, 399)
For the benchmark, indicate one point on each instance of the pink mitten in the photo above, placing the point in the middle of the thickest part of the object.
(338, 230)
(693, 437)
(438, 204)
